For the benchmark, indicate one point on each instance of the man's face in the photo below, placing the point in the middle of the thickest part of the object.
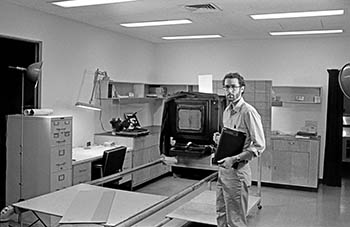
(233, 89)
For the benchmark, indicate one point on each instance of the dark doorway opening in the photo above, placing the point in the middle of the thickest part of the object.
(18, 53)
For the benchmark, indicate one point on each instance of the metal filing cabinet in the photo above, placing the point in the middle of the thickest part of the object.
(47, 155)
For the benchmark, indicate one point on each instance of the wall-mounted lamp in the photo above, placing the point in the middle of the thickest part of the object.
(98, 76)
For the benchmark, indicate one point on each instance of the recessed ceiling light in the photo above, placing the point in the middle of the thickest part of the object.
(76, 3)
(156, 23)
(192, 37)
(297, 14)
(311, 32)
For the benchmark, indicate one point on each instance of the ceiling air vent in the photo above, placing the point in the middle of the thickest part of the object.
(203, 8)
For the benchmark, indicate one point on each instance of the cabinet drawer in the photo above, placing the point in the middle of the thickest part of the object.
(61, 132)
(139, 143)
(291, 145)
(60, 180)
(83, 169)
(59, 125)
(61, 158)
(151, 140)
(81, 179)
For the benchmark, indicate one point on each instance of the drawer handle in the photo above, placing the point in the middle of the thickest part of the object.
(56, 135)
(61, 164)
(61, 141)
(61, 152)
(61, 177)
(82, 170)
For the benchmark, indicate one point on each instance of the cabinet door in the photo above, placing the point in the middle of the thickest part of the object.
(160, 168)
(140, 157)
(291, 162)
(282, 165)
(300, 168)
(266, 166)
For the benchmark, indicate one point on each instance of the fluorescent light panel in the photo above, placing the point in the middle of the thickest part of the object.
(156, 23)
(191, 37)
(87, 106)
(311, 32)
(297, 14)
(76, 3)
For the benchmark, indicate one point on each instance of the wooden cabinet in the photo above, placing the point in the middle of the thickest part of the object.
(143, 149)
(292, 161)
(47, 155)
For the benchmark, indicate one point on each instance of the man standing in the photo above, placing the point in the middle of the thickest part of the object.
(233, 183)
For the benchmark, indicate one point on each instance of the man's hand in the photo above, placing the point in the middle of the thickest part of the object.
(168, 160)
(216, 137)
(228, 162)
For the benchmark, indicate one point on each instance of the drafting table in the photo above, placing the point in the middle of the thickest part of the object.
(125, 203)
(202, 208)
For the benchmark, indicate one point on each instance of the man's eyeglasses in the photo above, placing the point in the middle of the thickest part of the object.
(227, 87)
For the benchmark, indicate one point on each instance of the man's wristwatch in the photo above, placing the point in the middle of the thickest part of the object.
(238, 158)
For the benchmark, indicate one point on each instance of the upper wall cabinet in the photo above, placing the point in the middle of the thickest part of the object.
(295, 95)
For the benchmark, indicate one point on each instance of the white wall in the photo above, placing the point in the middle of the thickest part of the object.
(298, 61)
(69, 48)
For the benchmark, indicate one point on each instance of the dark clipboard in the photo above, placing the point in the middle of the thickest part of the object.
(230, 144)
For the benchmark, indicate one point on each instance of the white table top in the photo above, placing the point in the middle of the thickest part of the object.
(81, 154)
(125, 203)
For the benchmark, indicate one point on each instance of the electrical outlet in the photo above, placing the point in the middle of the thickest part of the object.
(299, 98)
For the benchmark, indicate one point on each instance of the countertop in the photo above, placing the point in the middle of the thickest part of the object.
(293, 137)
(154, 129)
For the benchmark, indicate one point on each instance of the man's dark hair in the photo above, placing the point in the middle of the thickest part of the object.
(240, 78)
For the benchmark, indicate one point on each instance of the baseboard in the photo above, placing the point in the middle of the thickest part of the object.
(285, 186)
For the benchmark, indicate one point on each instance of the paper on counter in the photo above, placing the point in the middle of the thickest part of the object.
(32, 112)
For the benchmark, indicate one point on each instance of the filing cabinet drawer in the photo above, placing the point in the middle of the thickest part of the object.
(83, 169)
(61, 132)
(61, 158)
(61, 179)
(59, 125)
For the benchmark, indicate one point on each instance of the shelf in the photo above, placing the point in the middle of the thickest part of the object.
(295, 95)
(132, 100)
(280, 103)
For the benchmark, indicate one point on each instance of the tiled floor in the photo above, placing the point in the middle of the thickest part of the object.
(329, 207)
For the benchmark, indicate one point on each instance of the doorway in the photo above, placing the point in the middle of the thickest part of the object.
(16, 52)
